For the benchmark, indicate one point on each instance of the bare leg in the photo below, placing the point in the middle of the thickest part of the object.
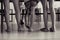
(17, 11)
(52, 13)
(29, 17)
(27, 20)
(6, 10)
(44, 3)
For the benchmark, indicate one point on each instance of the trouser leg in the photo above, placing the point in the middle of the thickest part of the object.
(6, 11)
(17, 12)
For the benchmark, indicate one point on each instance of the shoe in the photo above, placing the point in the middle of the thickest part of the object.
(21, 22)
(27, 26)
(7, 30)
(52, 30)
(20, 30)
(29, 30)
(1, 31)
(44, 30)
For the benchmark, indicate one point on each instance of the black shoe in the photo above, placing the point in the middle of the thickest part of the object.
(52, 30)
(21, 22)
(44, 30)
(1, 31)
(29, 30)
(7, 30)
(20, 30)
(28, 27)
